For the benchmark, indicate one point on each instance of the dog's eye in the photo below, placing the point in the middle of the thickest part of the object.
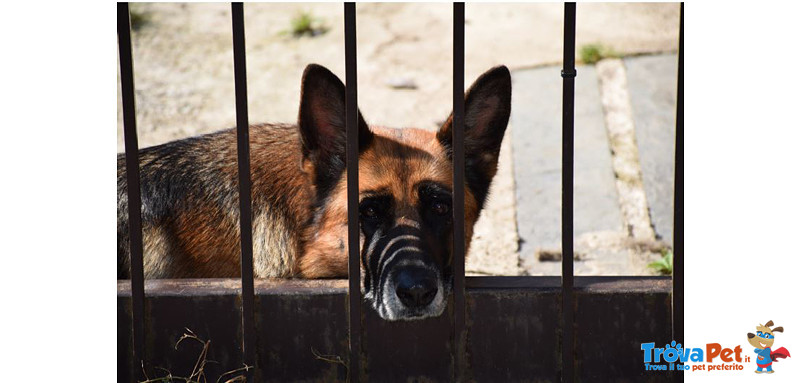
(440, 208)
(371, 210)
(760, 334)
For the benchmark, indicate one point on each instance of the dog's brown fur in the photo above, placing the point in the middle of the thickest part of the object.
(325, 255)
(189, 187)
(197, 234)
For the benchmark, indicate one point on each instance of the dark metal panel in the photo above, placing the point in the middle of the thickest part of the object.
(459, 241)
(512, 282)
(512, 331)
(407, 351)
(568, 138)
(354, 268)
(212, 318)
(207, 308)
(613, 322)
(595, 284)
(304, 337)
(245, 196)
(513, 334)
(125, 370)
(132, 171)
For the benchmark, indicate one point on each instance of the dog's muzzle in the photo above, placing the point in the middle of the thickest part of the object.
(407, 283)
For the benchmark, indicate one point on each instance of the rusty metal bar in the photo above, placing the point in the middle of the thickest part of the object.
(677, 236)
(208, 288)
(354, 269)
(459, 241)
(134, 191)
(245, 196)
(568, 150)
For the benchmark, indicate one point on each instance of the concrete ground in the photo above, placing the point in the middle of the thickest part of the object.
(624, 156)
(184, 80)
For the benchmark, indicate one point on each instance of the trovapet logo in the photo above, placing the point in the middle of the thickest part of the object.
(674, 357)
(763, 340)
(716, 357)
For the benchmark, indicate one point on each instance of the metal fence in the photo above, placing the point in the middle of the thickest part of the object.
(567, 285)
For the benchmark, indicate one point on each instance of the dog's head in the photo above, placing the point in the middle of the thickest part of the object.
(405, 192)
(764, 336)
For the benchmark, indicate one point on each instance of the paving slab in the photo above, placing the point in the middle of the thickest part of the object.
(536, 117)
(652, 82)
(493, 250)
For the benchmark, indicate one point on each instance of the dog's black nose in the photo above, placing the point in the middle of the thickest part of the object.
(416, 287)
(750, 335)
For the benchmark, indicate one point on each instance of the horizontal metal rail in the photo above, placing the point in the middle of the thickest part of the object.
(201, 287)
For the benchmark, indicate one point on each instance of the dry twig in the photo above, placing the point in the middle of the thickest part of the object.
(198, 374)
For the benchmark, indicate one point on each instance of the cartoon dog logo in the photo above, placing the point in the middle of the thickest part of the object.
(762, 340)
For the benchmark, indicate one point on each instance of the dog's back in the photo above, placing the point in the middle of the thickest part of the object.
(190, 205)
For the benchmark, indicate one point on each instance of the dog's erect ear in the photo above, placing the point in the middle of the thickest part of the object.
(778, 329)
(322, 126)
(769, 324)
(486, 111)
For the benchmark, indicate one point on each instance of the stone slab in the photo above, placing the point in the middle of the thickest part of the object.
(536, 117)
(652, 83)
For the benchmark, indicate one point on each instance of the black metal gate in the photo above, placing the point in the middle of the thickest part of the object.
(498, 329)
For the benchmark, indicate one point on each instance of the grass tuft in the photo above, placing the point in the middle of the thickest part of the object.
(663, 266)
(592, 53)
(304, 23)
(139, 17)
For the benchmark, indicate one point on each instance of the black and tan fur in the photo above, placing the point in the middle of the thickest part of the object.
(190, 211)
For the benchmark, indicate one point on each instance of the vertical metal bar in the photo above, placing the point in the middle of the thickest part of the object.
(245, 196)
(354, 268)
(134, 191)
(568, 149)
(677, 237)
(459, 241)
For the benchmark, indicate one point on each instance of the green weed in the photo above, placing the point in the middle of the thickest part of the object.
(139, 17)
(664, 265)
(304, 23)
(592, 53)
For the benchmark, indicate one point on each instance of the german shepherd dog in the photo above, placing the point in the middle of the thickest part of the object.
(190, 213)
